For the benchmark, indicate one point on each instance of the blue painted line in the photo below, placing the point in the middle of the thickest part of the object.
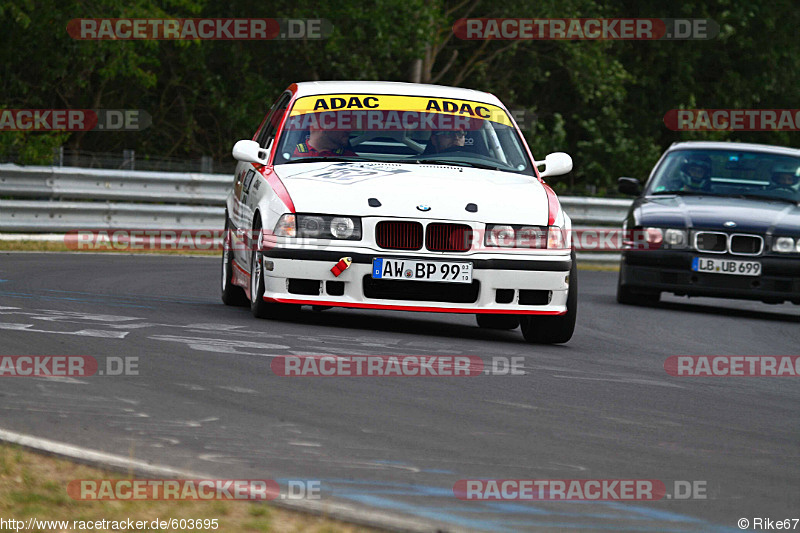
(3, 280)
(655, 514)
(378, 494)
(433, 514)
(579, 525)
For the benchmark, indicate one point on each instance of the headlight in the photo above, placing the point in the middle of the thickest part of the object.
(319, 227)
(343, 227)
(311, 226)
(538, 237)
(500, 235)
(784, 245)
(531, 237)
(676, 238)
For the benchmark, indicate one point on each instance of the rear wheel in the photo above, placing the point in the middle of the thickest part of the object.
(231, 294)
(554, 329)
(497, 321)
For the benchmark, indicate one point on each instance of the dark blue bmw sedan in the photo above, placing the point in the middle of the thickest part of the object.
(721, 219)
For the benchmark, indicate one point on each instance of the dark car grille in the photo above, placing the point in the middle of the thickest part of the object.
(714, 242)
(719, 243)
(746, 244)
(396, 235)
(421, 291)
(448, 237)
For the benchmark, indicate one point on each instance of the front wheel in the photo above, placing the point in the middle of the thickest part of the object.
(258, 306)
(554, 329)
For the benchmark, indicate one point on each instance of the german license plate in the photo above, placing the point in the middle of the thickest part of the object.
(415, 270)
(726, 266)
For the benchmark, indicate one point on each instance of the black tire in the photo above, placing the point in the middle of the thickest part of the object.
(258, 306)
(231, 294)
(554, 329)
(627, 296)
(497, 321)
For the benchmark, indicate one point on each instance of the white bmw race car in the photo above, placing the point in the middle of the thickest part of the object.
(399, 196)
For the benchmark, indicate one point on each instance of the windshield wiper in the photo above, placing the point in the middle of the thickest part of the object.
(762, 197)
(459, 164)
(682, 193)
(326, 159)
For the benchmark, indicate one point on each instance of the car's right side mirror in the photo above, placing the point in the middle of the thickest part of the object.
(629, 186)
(250, 152)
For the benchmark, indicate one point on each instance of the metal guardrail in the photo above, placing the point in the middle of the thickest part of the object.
(60, 199)
(67, 183)
(35, 216)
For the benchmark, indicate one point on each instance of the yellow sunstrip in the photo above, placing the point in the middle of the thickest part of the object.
(384, 102)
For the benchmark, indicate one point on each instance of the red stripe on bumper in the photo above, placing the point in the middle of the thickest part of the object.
(388, 307)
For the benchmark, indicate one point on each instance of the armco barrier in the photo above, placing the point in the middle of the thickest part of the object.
(38, 199)
(68, 183)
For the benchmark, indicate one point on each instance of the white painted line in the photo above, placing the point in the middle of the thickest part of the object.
(329, 509)
(41, 237)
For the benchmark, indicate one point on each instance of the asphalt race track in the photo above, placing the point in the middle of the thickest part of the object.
(600, 407)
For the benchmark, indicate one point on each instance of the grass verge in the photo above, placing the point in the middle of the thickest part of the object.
(35, 486)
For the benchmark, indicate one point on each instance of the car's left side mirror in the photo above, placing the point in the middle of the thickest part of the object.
(249, 151)
(556, 164)
(629, 186)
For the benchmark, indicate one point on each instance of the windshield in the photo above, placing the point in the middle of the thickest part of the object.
(402, 129)
(728, 173)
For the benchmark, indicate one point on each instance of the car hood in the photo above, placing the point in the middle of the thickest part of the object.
(710, 212)
(405, 190)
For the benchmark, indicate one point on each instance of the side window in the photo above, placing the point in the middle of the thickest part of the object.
(270, 127)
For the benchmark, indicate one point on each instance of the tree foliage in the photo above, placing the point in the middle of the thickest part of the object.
(601, 101)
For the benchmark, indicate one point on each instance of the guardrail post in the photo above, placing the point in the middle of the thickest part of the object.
(129, 159)
(206, 164)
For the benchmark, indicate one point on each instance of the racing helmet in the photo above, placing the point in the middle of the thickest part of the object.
(697, 169)
(784, 175)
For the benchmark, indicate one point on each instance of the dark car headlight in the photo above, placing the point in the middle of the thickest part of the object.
(676, 238)
(654, 238)
(786, 245)
(319, 227)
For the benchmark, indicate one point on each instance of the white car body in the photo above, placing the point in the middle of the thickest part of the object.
(424, 193)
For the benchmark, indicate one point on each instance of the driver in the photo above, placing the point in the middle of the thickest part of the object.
(696, 173)
(784, 177)
(322, 142)
(447, 140)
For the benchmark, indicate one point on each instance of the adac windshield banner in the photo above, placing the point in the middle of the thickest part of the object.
(391, 112)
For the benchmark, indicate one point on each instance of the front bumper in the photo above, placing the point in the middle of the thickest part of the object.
(303, 276)
(670, 271)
